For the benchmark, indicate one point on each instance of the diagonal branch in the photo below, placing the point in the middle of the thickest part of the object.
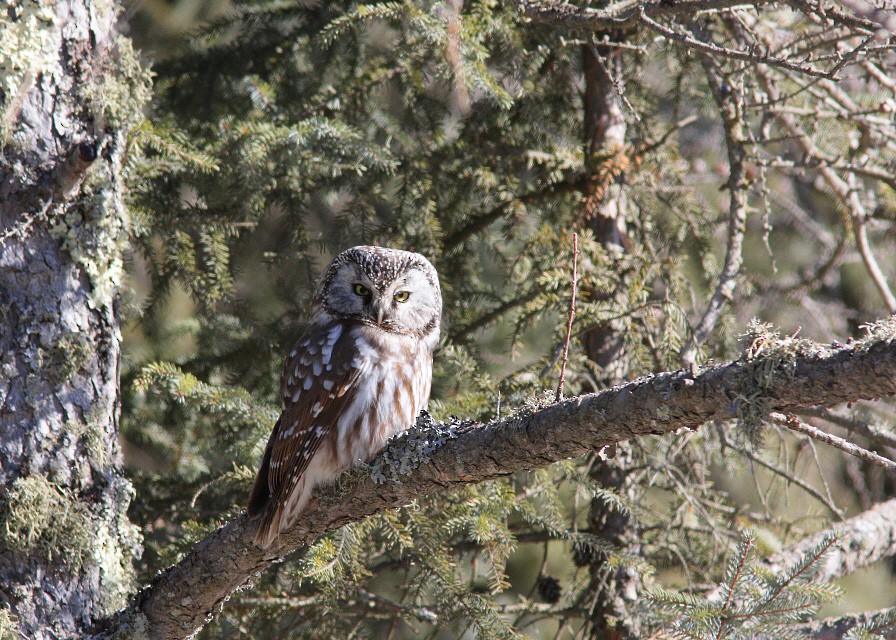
(618, 14)
(794, 423)
(708, 47)
(865, 538)
(625, 13)
(882, 623)
(179, 600)
(730, 103)
(847, 190)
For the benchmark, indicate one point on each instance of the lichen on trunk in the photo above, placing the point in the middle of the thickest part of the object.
(70, 87)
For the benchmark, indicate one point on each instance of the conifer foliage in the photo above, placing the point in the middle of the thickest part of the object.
(756, 163)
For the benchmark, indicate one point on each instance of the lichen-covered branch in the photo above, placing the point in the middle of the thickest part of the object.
(783, 376)
(882, 623)
(865, 538)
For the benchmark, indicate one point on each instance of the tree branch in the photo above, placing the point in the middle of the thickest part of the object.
(846, 190)
(866, 538)
(625, 13)
(882, 623)
(730, 104)
(710, 48)
(181, 599)
(619, 14)
(794, 423)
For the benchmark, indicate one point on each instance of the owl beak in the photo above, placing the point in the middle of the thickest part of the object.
(380, 312)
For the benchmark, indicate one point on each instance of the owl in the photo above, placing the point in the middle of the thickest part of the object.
(360, 373)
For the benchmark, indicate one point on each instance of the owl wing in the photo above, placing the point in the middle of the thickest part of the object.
(318, 377)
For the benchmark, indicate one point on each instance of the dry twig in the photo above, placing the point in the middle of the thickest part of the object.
(795, 424)
(572, 315)
(728, 101)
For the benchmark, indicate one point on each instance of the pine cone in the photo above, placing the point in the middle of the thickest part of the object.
(549, 589)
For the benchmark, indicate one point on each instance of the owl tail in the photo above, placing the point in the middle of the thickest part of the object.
(268, 526)
(262, 506)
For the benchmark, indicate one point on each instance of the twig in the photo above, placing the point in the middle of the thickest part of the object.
(883, 438)
(847, 191)
(365, 600)
(616, 82)
(790, 477)
(861, 235)
(716, 50)
(795, 424)
(727, 98)
(886, 19)
(572, 314)
(618, 15)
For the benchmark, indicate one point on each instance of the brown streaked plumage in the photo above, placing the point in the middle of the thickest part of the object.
(359, 374)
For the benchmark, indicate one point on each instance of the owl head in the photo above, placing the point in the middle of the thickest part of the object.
(395, 290)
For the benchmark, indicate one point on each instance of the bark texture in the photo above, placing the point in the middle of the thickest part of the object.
(612, 590)
(866, 538)
(777, 376)
(67, 89)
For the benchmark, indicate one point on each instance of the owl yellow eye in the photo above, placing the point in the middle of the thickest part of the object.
(360, 289)
(402, 296)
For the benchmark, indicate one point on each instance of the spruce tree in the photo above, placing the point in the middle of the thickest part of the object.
(716, 161)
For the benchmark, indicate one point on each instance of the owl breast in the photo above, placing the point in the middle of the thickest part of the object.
(393, 382)
(393, 390)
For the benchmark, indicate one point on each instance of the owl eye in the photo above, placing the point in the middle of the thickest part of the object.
(360, 290)
(402, 296)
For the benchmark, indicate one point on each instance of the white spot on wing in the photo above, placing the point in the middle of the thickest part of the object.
(326, 351)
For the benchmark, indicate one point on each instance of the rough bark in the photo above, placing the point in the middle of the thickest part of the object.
(66, 546)
(612, 591)
(865, 538)
(882, 623)
(783, 376)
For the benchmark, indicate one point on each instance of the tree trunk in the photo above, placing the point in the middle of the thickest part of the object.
(68, 92)
(614, 590)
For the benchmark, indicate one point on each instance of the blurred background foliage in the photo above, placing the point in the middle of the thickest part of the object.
(284, 131)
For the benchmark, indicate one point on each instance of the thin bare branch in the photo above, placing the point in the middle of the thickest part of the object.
(883, 17)
(795, 424)
(864, 247)
(571, 317)
(789, 477)
(705, 46)
(730, 105)
(884, 438)
(846, 190)
(619, 14)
